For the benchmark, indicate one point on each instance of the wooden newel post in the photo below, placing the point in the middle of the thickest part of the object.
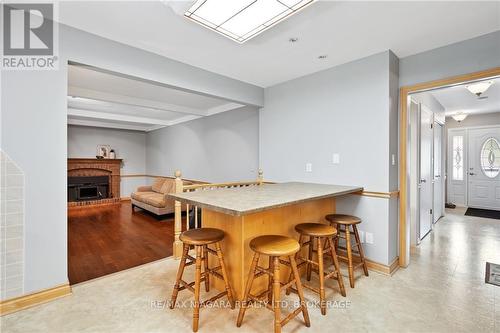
(260, 178)
(178, 217)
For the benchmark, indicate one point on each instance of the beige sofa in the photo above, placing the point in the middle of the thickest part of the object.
(155, 198)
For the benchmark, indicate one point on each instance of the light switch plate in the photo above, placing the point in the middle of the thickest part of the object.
(309, 167)
(393, 159)
(369, 238)
(336, 158)
(362, 236)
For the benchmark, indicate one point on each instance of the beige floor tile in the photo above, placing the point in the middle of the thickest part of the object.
(442, 290)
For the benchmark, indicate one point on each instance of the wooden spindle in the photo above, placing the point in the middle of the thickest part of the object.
(260, 177)
(178, 217)
(196, 217)
(187, 216)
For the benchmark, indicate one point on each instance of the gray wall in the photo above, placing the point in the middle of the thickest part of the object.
(223, 147)
(468, 56)
(128, 145)
(351, 110)
(34, 126)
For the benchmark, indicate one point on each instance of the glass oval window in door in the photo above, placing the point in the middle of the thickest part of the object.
(490, 158)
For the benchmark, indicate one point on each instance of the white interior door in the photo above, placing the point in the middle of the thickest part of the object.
(425, 184)
(484, 168)
(438, 173)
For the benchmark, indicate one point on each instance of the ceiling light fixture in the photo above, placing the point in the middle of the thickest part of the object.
(479, 87)
(459, 117)
(241, 20)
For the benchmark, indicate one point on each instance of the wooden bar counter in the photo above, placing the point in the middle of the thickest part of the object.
(247, 212)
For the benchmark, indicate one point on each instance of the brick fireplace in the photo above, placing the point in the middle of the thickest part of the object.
(92, 181)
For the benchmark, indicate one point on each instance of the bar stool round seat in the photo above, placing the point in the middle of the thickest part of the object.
(316, 229)
(343, 219)
(274, 245)
(202, 236)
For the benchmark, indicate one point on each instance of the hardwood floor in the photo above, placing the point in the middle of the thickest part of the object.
(111, 238)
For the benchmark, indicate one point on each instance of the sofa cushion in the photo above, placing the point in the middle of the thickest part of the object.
(140, 196)
(156, 200)
(168, 186)
(158, 183)
(151, 198)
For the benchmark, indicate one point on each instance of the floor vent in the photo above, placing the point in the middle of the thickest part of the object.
(493, 274)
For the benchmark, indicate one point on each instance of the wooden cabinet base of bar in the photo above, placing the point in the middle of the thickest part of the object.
(240, 230)
(27, 301)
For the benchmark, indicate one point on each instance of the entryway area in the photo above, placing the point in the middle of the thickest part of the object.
(454, 152)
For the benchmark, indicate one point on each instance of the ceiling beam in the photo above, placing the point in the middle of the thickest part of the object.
(223, 108)
(183, 119)
(116, 117)
(96, 123)
(135, 101)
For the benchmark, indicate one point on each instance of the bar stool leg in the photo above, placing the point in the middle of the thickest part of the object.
(205, 268)
(300, 291)
(224, 275)
(276, 294)
(196, 312)
(296, 256)
(180, 272)
(360, 249)
(270, 282)
(337, 237)
(321, 277)
(248, 288)
(349, 255)
(310, 257)
(336, 265)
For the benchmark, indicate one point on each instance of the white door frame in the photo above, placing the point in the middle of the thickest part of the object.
(466, 156)
(442, 172)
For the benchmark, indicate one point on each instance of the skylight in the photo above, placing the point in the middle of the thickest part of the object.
(242, 20)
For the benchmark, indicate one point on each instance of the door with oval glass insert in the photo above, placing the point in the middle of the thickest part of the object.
(484, 168)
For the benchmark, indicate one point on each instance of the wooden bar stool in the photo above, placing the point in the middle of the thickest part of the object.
(200, 239)
(274, 246)
(322, 235)
(343, 223)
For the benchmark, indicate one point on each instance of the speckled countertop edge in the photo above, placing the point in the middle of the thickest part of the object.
(185, 198)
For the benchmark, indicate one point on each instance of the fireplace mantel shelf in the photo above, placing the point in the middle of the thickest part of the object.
(86, 159)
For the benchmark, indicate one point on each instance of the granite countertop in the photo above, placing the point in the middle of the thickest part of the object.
(252, 199)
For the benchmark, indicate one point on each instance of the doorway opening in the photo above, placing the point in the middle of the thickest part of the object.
(428, 114)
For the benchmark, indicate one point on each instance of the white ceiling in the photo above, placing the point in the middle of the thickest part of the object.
(103, 99)
(345, 31)
(458, 99)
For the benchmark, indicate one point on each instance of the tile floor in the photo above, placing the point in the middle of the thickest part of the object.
(443, 290)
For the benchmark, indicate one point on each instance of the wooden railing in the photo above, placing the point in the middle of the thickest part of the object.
(180, 188)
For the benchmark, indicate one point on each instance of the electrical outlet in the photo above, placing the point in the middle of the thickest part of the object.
(309, 167)
(362, 236)
(336, 158)
(369, 238)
